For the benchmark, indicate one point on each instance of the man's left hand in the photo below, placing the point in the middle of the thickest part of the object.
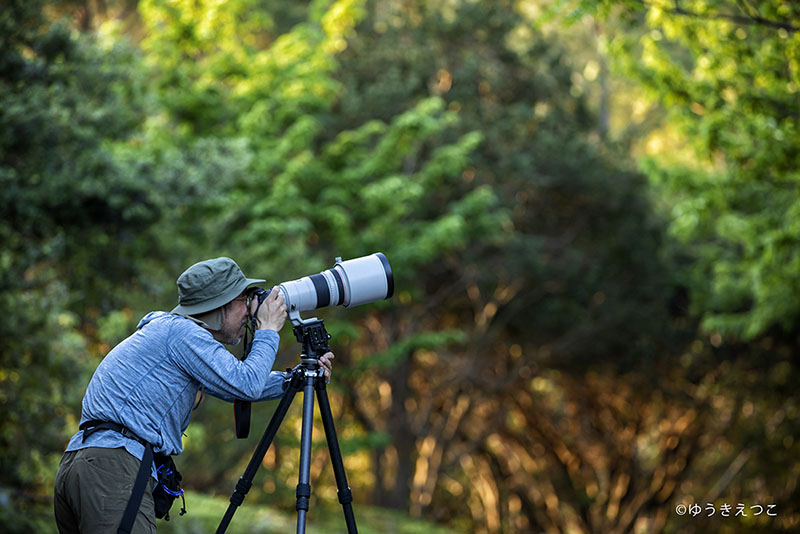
(326, 361)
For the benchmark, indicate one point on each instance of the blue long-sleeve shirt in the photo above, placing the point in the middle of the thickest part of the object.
(149, 382)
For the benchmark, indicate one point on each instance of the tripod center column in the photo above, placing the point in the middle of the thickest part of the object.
(303, 485)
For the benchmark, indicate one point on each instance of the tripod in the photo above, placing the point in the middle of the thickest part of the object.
(308, 377)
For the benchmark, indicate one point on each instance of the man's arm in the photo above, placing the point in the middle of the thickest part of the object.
(222, 374)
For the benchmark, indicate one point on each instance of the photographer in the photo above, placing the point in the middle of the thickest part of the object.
(140, 399)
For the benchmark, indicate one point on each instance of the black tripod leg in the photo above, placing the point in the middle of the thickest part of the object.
(345, 495)
(303, 485)
(243, 486)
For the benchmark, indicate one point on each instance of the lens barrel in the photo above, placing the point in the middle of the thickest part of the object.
(347, 283)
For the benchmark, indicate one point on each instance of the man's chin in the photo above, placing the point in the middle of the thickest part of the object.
(232, 340)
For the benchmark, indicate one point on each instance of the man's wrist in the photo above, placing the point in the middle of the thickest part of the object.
(268, 330)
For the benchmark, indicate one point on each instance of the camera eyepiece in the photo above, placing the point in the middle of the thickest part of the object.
(256, 292)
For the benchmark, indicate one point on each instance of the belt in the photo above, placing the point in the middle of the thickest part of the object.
(94, 425)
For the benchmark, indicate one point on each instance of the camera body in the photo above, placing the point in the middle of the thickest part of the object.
(258, 293)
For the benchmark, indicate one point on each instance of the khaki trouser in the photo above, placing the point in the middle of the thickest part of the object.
(93, 486)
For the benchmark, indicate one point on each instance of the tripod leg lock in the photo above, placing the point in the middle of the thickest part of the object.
(345, 496)
(303, 494)
(242, 487)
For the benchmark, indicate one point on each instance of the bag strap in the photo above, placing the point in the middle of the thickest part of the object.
(142, 477)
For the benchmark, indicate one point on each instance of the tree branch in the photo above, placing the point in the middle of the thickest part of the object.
(750, 19)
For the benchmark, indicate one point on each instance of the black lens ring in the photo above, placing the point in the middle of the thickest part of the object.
(339, 284)
(321, 287)
(389, 275)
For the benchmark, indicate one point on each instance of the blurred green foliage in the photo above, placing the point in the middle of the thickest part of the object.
(589, 209)
(728, 74)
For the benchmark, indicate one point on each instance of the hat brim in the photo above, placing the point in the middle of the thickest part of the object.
(216, 302)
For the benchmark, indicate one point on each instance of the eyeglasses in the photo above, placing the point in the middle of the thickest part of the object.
(249, 295)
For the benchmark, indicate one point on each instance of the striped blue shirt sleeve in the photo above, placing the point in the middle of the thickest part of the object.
(224, 376)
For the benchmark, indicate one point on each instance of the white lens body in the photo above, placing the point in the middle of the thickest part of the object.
(303, 294)
(349, 283)
(365, 280)
(299, 295)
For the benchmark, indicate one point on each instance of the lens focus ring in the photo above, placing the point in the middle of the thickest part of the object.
(321, 288)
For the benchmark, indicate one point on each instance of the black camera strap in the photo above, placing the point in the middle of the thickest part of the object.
(241, 408)
(241, 418)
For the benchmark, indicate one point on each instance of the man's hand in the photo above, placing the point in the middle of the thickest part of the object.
(272, 313)
(326, 361)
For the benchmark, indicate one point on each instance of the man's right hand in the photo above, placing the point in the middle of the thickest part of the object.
(272, 312)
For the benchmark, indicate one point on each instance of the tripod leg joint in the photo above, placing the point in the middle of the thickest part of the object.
(303, 493)
(242, 487)
(345, 496)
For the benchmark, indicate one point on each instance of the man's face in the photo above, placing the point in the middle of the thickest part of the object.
(234, 319)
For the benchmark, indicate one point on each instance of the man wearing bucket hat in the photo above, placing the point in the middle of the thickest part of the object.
(140, 399)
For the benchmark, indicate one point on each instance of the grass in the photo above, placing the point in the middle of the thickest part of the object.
(205, 513)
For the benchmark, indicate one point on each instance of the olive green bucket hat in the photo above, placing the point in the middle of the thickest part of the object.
(209, 284)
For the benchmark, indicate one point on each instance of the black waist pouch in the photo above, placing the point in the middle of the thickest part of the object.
(168, 488)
